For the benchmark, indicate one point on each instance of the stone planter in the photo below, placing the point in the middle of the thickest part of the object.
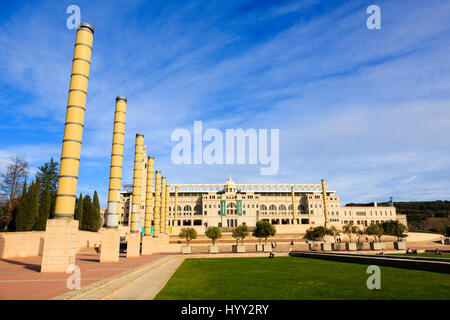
(351, 246)
(314, 246)
(186, 250)
(267, 248)
(259, 247)
(213, 249)
(377, 246)
(338, 246)
(238, 248)
(400, 245)
(325, 246)
(363, 246)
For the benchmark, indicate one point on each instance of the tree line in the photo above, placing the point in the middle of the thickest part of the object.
(26, 206)
(262, 230)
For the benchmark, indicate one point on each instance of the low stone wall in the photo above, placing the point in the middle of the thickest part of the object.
(89, 239)
(31, 243)
(249, 247)
(21, 244)
(292, 228)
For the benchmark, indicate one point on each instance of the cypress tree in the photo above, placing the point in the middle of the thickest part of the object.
(29, 217)
(91, 216)
(44, 209)
(21, 214)
(28, 222)
(90, 220)
(79, 211)
(34, 204)
(87, 204)
(96, 203)
(28, 208)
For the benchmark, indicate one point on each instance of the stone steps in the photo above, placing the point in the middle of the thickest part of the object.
(104, 288)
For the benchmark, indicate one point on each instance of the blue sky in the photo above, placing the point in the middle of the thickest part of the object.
(367, 110)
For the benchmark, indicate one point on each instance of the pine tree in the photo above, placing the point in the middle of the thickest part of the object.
(48, 173)
(79, 211)
(44, 209)
(21, 215)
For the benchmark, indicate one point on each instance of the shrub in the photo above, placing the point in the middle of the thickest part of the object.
(240, 233)
(188, 234)
(264, 229)
(213, 233)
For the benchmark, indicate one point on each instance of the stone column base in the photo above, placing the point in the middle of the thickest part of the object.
(213, 249)
(110, 245)
(133, 245)
(238, 248)
(186, 250)
(148, 243)
(60, 245)
(399, 245)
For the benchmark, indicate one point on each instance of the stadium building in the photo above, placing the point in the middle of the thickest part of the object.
(292, 208)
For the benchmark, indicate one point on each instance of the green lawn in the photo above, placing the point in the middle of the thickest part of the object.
(296, 278)
(429, 254)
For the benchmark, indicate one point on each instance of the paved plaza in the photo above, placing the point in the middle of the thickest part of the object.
(21, 279)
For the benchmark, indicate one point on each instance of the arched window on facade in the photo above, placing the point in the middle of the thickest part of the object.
(187, 210)
(263, 209)
(272, 209)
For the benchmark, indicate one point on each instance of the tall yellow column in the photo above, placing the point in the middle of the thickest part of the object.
(175, 214)
(137, 183)
(157, 208)
(166, 225)
(61, 234)
(149, 197)
(73, 131)
(324, 196)
(294, 216)
(115, 171)
(163, 205)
